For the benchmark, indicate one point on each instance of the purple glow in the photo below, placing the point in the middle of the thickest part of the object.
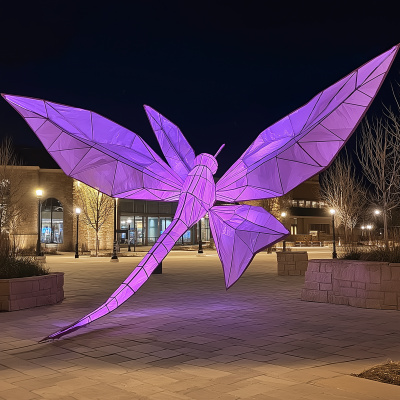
(118, 162)
(306, 141)
(240, 232)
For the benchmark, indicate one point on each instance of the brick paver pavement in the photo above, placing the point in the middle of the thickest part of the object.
(184, 337)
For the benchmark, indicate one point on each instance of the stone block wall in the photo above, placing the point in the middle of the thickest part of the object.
(364, 284)
(20, 293)
(292, 263)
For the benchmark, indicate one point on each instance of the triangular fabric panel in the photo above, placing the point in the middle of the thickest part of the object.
(294, 173)
(35, 123)
(68, 159)
(81, 119)
(33, 105)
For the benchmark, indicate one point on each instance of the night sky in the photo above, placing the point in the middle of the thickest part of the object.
(222, 71)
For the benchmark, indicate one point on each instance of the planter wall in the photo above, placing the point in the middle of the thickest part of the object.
(20, 293)
(364, 284)
(292, 262)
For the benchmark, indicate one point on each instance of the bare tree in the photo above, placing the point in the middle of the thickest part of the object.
(12, 191)
(342, 190)
(95, 206)
(378, 151)
(274, 205)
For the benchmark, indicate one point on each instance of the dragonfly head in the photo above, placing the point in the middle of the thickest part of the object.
(207, 160)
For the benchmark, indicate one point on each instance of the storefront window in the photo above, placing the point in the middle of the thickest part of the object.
(205, 229)
(153, 233)
(52, 221)
(137, 225)
(165, 223)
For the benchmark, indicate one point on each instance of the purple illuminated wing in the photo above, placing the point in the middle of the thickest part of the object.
(306, 141)
(240, 232)
(99, 152)
(175, 147)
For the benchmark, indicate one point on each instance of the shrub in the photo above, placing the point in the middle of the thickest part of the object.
(20, 267)
(388, 372)
(16, 265)
(373, 253)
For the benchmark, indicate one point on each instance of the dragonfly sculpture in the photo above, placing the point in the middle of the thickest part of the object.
(106, 156)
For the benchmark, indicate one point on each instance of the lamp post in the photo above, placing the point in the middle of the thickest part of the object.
(377, 213)
(114, 256)
(134, 240)
(77, 212)
(362, 231)
(39, 194)
(369, 227)
(129, 234)
(283, 215)
(334, 254)
(200, 251)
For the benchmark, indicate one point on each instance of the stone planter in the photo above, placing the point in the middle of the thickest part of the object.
(20, 293)
(364, 284)
(292, 262)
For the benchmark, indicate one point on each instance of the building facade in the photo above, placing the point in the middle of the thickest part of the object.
(138, 223)
(307, 215)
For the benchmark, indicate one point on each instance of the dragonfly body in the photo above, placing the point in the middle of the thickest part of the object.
(106, 156)
(196, 199)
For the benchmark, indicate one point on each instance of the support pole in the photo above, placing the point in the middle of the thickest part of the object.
(77, 236)
(38, 245)
(114, 254)
(334, 254)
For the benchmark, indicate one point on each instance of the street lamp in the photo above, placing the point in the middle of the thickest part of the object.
(377, 212)
(369, 227)
(283, 215)
(39, 194)
(362, 230)
(334, 254)
(129, 234)
(77, 212)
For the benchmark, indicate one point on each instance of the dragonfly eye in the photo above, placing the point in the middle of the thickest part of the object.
(207, 160)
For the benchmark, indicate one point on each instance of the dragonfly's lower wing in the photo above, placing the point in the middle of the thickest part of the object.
(99, 152)
(306, 141)
(240, 232)
(134, 281)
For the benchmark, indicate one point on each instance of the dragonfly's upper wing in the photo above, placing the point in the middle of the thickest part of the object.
(306, 141)
(240, 232)
(175, 147)
(99, 152)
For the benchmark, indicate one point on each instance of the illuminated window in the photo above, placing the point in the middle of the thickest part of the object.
(52, 221)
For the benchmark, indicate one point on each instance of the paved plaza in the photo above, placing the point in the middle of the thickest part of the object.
(183, 336)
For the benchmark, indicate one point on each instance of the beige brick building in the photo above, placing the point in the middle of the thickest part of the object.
(58, 225)
(147, 219)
